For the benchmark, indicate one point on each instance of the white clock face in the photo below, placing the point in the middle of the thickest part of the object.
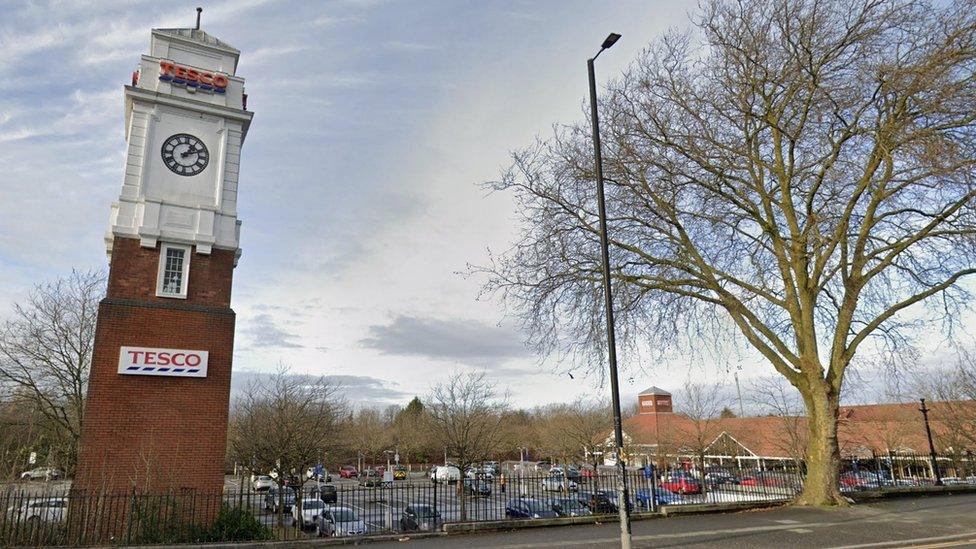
(185, 154)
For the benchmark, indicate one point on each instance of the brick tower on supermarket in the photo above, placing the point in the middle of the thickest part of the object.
(156, 414)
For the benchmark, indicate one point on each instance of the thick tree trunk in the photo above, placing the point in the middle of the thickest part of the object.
(823, 453)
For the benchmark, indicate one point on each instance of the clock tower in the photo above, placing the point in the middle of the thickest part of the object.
(158, 397)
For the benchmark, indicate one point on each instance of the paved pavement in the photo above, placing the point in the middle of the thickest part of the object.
(929, 522)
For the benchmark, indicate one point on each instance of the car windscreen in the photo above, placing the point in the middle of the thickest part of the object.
(345, 515)
(312, 504)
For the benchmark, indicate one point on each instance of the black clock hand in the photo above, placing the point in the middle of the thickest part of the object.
(188, 153)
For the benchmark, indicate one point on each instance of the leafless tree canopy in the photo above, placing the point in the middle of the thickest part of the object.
(286, 424)
(466, 417)
(799, 170)
(45, 355)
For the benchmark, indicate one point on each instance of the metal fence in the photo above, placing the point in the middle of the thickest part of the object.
(33, 516)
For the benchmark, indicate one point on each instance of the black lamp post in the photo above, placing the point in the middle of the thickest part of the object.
(928, 431)
(623, 498)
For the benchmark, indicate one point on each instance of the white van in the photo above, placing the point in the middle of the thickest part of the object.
(445, 473)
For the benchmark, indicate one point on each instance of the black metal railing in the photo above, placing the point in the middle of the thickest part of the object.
(33, 515)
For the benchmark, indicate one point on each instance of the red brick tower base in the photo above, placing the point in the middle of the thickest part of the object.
(152, 433)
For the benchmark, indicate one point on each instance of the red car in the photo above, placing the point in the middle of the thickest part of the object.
(587, 472)
(681, 483)
(348, 471)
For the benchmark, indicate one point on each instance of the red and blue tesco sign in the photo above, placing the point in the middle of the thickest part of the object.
(191, 78)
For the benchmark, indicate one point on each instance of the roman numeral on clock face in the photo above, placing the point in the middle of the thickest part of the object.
(185, 154)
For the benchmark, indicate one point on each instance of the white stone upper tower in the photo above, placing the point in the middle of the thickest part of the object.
(185, 123)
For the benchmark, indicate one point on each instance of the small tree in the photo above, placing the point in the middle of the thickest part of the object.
(701, 404)
(465, 415)
(45, 355)
(774, 396)
(285, 424)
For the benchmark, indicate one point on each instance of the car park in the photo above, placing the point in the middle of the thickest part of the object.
(370, 478)
(325, 492)
(339, 521)
(476, 487)
(348, 471)
(419, 516)
(483, 473)
(42, 473)
(529, 508)
(570, 507)
(559, 483)
(319, 474)
(272, 503)
(719, 478)
(445, 473)
(40, 510)
(661, 497)
(262, 483)
(311, 508)
(681, 483)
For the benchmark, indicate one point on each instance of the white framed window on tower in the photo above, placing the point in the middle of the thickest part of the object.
(174, 271)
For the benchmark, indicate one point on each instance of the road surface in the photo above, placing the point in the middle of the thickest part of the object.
(929, 522)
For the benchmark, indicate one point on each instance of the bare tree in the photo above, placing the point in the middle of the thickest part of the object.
(572, 430)
(797, 172)
(45, 354)
(466, 417)
(285, 424)
(702, 404)
(774, 396)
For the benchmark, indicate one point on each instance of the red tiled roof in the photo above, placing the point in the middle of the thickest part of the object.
(861, 429)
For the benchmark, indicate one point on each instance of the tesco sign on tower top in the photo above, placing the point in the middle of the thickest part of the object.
(147, 361)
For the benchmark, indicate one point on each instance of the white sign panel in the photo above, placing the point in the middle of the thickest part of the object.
(146, 361)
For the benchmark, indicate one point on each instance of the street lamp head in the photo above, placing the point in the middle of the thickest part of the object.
(610, 41)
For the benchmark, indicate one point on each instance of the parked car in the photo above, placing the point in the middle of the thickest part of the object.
(599, 503)
(445, 473)
(529, 508)
(681, 483)
(544, 465)
(476, 487)
(326, 492)
(661, 497)
(311, 508)
(719, 478)
(271, 502)
(40, 510)
(262, 483)
(494, 467)
(570, 507)
(419, 516)
(399, 472)
(370, 478)
(339, 521)
(574, 474)
(559, 483)
(588, 471)
(42, 473)
(348, 471)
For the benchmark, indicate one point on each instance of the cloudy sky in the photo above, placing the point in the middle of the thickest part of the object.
(375, 121)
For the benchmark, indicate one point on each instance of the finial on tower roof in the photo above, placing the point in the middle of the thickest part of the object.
(199, 11)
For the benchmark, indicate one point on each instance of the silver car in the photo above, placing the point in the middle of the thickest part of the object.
(559, 483)
(311, 509)
(42, 473)
(40, 510)
(339, 521)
